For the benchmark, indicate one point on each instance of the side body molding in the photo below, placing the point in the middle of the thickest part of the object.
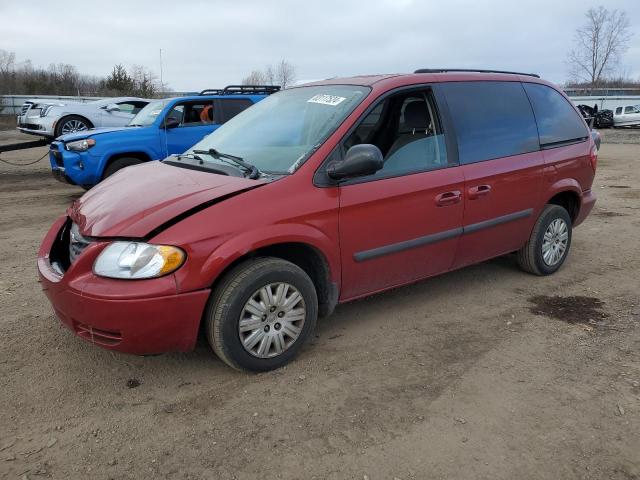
(440, 236)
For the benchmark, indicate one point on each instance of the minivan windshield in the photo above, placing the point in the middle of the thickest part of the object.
(148, 114)
(280, 132)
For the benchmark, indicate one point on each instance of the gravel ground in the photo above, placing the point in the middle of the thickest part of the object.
(484, 373)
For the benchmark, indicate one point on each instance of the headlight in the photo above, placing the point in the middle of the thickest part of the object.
(136, 260)
(45, 110)
(81, 145)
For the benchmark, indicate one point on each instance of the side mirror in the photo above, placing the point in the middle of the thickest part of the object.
(171, 122)
(112, 107)
(360, 160)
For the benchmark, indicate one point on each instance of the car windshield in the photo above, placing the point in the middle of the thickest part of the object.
(148, 114)
(279, 133)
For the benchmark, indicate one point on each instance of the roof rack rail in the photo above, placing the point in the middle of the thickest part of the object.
(242, 90)
(444, 70)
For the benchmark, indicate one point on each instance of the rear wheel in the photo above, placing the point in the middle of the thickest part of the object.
(548, 247)
(72, 124)
(261, 314)
(119, 164)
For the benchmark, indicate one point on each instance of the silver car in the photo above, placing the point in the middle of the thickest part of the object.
(50, 118)
(628, 116)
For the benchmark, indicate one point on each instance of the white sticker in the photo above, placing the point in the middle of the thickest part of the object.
(327, 100)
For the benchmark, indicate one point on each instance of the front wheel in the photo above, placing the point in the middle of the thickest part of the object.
(72, 124)
(261, 314)
(549, 243)
(119, 164)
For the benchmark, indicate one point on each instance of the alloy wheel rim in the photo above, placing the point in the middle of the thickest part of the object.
(272, 320)
(72, 126)
(555, 241)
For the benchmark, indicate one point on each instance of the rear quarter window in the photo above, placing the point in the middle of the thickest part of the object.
(491, 120)
(233, 106)
(557, 120)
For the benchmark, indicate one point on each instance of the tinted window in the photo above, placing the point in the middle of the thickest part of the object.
(131, 106)
(233, 106)
(492, 120)
(618, 110)
(406, 129)
(193, 113)
(556, 118)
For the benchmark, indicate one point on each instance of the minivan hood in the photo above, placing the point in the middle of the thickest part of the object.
(137, 200)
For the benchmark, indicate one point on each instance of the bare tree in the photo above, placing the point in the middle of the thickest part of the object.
(269, 75)
(7, 62)
(256, 77)
(145, 82)
(283, 74)
(599, 44)
(22, 78)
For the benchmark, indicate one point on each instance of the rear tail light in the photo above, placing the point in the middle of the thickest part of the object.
(593, 157)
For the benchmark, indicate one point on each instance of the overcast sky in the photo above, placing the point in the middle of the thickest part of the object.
(215, 43)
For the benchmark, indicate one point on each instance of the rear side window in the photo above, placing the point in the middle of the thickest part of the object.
(618, 110)
(233, 106)
(557, 120)
(492, 120)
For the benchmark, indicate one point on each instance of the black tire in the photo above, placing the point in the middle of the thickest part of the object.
(119, 164)
(227, 301)
(71, 118)
(530, 256)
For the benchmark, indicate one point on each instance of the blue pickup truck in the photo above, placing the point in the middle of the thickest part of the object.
(162, 128)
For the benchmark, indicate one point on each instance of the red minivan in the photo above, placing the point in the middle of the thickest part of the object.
(318, 195)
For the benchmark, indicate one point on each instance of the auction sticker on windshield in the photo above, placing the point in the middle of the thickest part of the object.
(326, 99)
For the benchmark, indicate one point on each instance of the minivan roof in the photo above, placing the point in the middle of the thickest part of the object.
(385, 81)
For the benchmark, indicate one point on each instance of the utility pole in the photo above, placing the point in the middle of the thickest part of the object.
(161, 82)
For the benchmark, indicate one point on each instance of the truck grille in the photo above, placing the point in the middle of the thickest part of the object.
(25, 107)
(57, 155)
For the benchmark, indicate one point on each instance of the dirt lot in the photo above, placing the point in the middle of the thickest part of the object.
(481, 373)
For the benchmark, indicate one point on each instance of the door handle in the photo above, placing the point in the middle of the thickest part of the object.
(479, 191)
(448, 198)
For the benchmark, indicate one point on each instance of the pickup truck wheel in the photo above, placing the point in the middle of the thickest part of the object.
(118, 164)
(261, 314)
(548, 247)
(72, 124)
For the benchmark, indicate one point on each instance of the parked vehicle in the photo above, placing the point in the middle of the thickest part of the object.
(318, 195)
(51, 119)
(162, 128)
(628, 116)
(596, 118)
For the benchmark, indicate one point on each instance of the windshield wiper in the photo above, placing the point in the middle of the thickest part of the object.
(192, 156)
(252, 169)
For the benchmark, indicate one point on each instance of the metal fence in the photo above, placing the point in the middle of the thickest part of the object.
(606, 102)
(602, 92)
